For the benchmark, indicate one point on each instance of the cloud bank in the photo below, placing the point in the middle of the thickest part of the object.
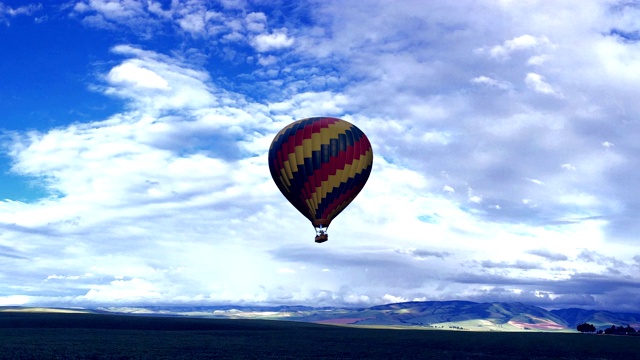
(491, 178)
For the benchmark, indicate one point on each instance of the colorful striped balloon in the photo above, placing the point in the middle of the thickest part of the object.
(320, 164)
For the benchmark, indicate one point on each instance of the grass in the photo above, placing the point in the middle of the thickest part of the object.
(92, 336)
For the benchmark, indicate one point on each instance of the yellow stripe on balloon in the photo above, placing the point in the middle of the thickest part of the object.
(334, 181)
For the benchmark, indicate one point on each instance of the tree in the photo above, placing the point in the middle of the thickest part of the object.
(611, 330)
(586, 328)
(620, 330)
(629, 330)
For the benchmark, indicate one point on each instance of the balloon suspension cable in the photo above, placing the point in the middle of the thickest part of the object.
(321, 234)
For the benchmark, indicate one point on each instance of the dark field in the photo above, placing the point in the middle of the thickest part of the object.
(92, 336)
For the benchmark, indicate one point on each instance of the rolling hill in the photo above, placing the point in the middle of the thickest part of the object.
(459, 315)
(448, 315)
(599, 318)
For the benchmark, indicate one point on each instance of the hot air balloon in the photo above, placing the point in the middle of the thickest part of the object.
(320, 164)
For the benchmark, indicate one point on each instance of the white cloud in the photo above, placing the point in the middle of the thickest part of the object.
(14, 300)
(108, 14)
(156, 82)
(538, 60)
(194, 18)
(475, 199)
(309, 104)
(62, 277)
(193, 23)
(267, 60)
(523, 42)
(126, 291)
(387, 298)
(274, 41)
(256, 22)
(490, 82)
(536, 181)
(113, 9)
(136, 76)
(537, 83)
(156, 8)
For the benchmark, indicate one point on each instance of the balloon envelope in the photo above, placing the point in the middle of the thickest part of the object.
(320, 164)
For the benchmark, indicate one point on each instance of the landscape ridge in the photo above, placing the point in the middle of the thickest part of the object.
(447, 315)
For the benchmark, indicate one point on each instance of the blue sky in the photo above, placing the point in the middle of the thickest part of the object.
(134, 137)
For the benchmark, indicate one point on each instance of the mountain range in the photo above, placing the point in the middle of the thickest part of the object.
(453, 315)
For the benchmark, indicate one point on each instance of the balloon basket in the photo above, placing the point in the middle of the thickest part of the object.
(322, 238)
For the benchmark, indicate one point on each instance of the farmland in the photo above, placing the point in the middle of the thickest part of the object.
(94, 336)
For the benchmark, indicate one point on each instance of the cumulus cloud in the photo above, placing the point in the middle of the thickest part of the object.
(139, 77)
(274, 41)
(256, 22)
(151, 80)
(537, 83)
(108, 14)
(523, 42)
(195, 19)
(109, 175)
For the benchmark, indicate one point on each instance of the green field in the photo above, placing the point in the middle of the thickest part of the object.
(94, 336)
